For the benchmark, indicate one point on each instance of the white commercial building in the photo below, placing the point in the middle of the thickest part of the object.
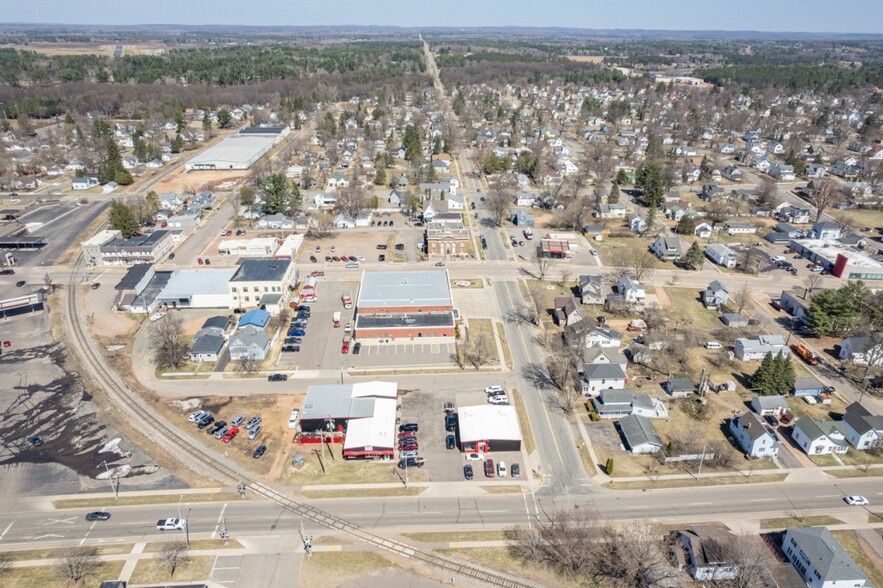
(489, 427)
(257, 247)
(198, 288)
(290, 246)
(239, 151)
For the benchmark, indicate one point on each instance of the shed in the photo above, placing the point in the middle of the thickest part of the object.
(679, 387)
(807, 387)
(639, 435)
(734, 320)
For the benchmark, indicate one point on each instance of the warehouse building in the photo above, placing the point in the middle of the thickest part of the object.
(239, 151)
(197, 288)
(847, 262)
(404, 306)
(257, 247)
(488, 427)
(365, 412)
(92, 246)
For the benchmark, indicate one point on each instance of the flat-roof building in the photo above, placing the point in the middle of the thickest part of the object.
(847, 262)
(258, 246)
(239, 151)
(405, 305)
(198, 288)
(92, 246)
(150, 248)
(256, 277)
(488, 427)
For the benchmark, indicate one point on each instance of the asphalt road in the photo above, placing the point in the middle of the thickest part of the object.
(246, 518)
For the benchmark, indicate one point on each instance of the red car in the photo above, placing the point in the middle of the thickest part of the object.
(405, 434)
(345, 348)
(633, 328)
(489, 469)
(228, 436)
(408, 446)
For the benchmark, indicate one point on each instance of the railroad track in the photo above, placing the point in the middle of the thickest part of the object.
(202, 460)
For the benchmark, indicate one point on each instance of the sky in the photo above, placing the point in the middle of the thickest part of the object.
(838, 16)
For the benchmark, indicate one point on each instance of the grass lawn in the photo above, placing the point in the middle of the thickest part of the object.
(151, 571)
(502, 489)
(501, 559)
(42, 576)
(196, 545)
(40, 554)
(473, 283)
(863, 555)
(316, 570)
(457, 536)
(484, 328)
(141, 500)
(856, 473)
(367, 492)
(810, 521)
(863, 217)
(690, 482)
(340, 471)
(504, 343)
(611, 249)
(526, 429)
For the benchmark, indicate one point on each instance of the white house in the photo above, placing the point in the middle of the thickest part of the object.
(639, 434)
(322, 199)
(721, 255)
(602, 376)
(753, 436)
(667, 248)
(631, 290)
(861, 350)
(821, 560)
(769, 405)
(757, 347)
(703, 230)
(739, 228)
(617, 403)
(863, 430)
(275, 221)
(708, 558)
(819, 437)
(249, 342)
(602, 337)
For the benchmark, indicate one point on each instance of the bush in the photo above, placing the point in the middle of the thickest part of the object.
(594, 417)
(608, 467)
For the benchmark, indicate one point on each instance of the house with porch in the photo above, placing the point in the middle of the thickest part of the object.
(667, 248)
(820, 437)
(715, 295)
(590, 289)
(863, 430)
(753, 435)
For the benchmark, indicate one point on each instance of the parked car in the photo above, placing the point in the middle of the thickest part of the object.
(501, 469)
(96, 285)
(439, 264)
(467, 472)
(500, 399)
(450, 442)
(411, 462)
(474, 457)
(216, 427)
(489, 470)
(261, 449)
(97, 516)
(230, 434)
(296, 332)
(205, 421)
(409, 427)
(35, 440)
(786, 418)
(20, 283)
(221, 431)
(254, 432)
(171, 524)
(450, 422)
(515, 470)
(292, 420)
(255, 420)
(494, 390)
(293, 340)
(195, 416)
(772, 420)
(290, 348)
(357, 348)
(313, 259)
(277, 378)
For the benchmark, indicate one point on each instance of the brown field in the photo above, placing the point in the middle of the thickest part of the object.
(181, 179)
(88, 48)
(586, 58)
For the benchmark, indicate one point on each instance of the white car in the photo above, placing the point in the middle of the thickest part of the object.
(171, 524)
(195, 416)
(500, 399)
(292, 420)
(348, 327)
(474, 457)
(501, 469)
(856, 500)
(593, 251)
(494, 390)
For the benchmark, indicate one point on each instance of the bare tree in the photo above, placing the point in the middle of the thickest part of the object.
(742, 297)
(479, 350)
(76, 563)
(767, 194)
(750, 556)
(172, 554)
(6, 559)
(631, 557)
(352, 201)
(498, 201)
(248, 365)
(543, 263)
(169, 351)
(812, 282)
(563, 540)
(824, 197)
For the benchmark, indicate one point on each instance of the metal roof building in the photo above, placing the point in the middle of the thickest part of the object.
(392, 291)
(489, 427)
(239, 151)
(198, 288)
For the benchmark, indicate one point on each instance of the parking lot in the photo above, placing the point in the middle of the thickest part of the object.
(446, 465)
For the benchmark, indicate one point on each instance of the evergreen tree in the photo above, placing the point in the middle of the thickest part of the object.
(113, 163)
(180, 121)
(622, 177)
(225, 119)
(177, 143)
(763, 379)
(613, 196)
(276, 193)
(380, 177)
(685, 226)
(837, 313)
(650, 180)
(694, 256)
(207, 123)
(123, 219)
(123, 177)
(411, 143)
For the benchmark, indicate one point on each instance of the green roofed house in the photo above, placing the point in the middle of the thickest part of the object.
(819, 437)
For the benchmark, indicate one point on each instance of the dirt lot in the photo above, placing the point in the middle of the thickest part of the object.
(88, 48)
(181, 180)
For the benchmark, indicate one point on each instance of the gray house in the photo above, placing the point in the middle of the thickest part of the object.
(614, 404)
(639, 434)
(521, 218)
(753, 436)
(667, 248)
(590, 290)
(734, 320)
(826, 230)
(821, 560)
(679, 387)
(807, 387)
(757, 347)
(863, 429)
(774, 405)
(249, 342)
(715, 295)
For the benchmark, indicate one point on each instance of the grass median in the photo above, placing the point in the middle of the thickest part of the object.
(142, 500)
(526, 430)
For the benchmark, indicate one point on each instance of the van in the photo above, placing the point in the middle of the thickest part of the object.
(713, 345)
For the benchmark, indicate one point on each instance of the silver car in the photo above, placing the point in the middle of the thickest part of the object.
(238, 420)
(254, 432)
(221, 432)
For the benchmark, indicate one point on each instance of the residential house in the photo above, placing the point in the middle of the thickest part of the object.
(522, 218)
(753, 435)
(87, 182)
(715, 295)
(322, 199)
(209, 340)
(807, 387)
(679, 387)
(567, 310)
(598, 355)
(819, 437)
(782, 172)
(602, 376)
(602, 337)
(739, 228)
(815, 171)
(821, 560)
(862, 350)
(525, 199)
(615, 210)
(734, 320)
(615, 404)
(757, 347)
(795, 215)
(790, 231)
(826, 230)
(667, 248)
(709, 556)
(590, 289)
(769, 405)
(703, 230)
(726, 148)
(343, 221)
(249, 343)
(631, 290)
(337, 180)
(275, 221)
(721, 255)
(733, 173)
(863, 430)
(637, 224)
(639, 435)
(396, 198)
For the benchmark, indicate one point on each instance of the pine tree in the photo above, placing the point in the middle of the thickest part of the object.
(380, 177)
(763, 378)
(786, 375)
(695, 255)
(123, 219)
(276, 193)
(613, 196)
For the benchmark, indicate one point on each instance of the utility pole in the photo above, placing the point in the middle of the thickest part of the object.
(701, 460)
(307, 540)
(115, 487)
(187, 528)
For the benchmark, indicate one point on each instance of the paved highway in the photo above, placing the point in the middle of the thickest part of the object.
(397, 515)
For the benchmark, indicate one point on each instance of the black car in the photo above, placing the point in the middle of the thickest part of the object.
(450, 442)
(328, 258)
(97, 516)
(290, 348)
(411, 462)
(205, 421)
(7, 271)
(20, 283)
(409, 427)
(261, 449)
(293, 341)
(96, 285)
(216, 427)
(400, 246)
(450, 422)
(467, 472)
(36, 440)
(381, 258)
(772, 420)
(357, 348)
(277, 378)
(515, 470)
(313, 259)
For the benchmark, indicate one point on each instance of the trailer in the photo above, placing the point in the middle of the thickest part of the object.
(335, 319)
(347, 300)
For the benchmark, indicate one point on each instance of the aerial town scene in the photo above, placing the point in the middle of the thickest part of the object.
(395, 295)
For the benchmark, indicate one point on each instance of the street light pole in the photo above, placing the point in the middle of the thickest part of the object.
(187, 528)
